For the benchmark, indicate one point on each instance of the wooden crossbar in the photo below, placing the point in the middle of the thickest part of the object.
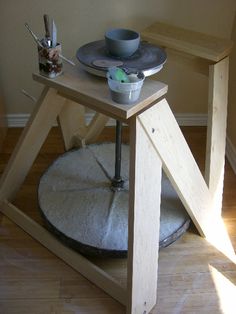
(198, 44)
(75, 260)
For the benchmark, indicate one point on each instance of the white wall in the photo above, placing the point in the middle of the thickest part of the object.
(81, 21)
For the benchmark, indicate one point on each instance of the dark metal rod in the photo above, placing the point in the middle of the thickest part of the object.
(117, 183)
(118, 150)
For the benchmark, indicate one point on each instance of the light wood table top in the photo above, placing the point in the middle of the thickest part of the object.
(93, 92)
(197, 44)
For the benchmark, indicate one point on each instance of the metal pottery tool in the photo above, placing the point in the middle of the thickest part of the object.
(50, 32)
(24, 92)
(53, 34)
(47, 30)
(40, 44)
(36, 39)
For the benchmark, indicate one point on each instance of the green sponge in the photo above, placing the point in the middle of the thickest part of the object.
(118, 74)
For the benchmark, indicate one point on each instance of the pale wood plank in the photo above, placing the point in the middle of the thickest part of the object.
(73, 125)
(75, 260)
(72, 121)
(93, 92)
(47, 108)
(191, 42)
(144, 216)
(178, 163)
(185, 176)
(216, 130)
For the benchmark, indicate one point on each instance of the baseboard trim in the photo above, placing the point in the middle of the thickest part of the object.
(185, 119)
(17, 120)
(188, 119)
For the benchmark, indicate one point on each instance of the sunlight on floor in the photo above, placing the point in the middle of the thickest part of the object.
(226, 291)
(217, 235)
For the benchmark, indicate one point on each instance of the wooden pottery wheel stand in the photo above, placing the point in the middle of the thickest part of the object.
(153, 129)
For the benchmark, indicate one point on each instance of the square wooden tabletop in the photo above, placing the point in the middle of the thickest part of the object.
(93, 92)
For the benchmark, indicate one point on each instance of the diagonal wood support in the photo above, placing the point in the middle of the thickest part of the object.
(71, 121)
(48, 107)
(72, 258)
(180, 166)
(95, 127)
(46, 110)
(73, 125)
(178, 163)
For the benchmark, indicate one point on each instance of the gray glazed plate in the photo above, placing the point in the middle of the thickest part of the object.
(95, 58)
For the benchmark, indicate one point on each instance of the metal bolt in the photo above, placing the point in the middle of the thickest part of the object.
(145, 303)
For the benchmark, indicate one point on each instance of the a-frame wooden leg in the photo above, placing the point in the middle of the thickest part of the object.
(95, 127)
(72, 258)
(178, 163)
(216, 130)
(72, 123)
(144, 221)
(47, 108)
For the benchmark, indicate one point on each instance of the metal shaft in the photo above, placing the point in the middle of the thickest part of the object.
(117, 182)
(118, 150)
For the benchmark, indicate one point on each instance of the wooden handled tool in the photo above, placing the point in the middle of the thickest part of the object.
(47, 29)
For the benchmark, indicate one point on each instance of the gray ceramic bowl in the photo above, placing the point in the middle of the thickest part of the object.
(122, 42)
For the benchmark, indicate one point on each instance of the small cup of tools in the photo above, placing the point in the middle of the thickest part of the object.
(50, 63)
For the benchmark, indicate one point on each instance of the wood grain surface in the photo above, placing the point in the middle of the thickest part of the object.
(93, 92)
(188, 41)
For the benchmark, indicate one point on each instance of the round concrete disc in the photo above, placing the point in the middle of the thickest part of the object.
(78, 204)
